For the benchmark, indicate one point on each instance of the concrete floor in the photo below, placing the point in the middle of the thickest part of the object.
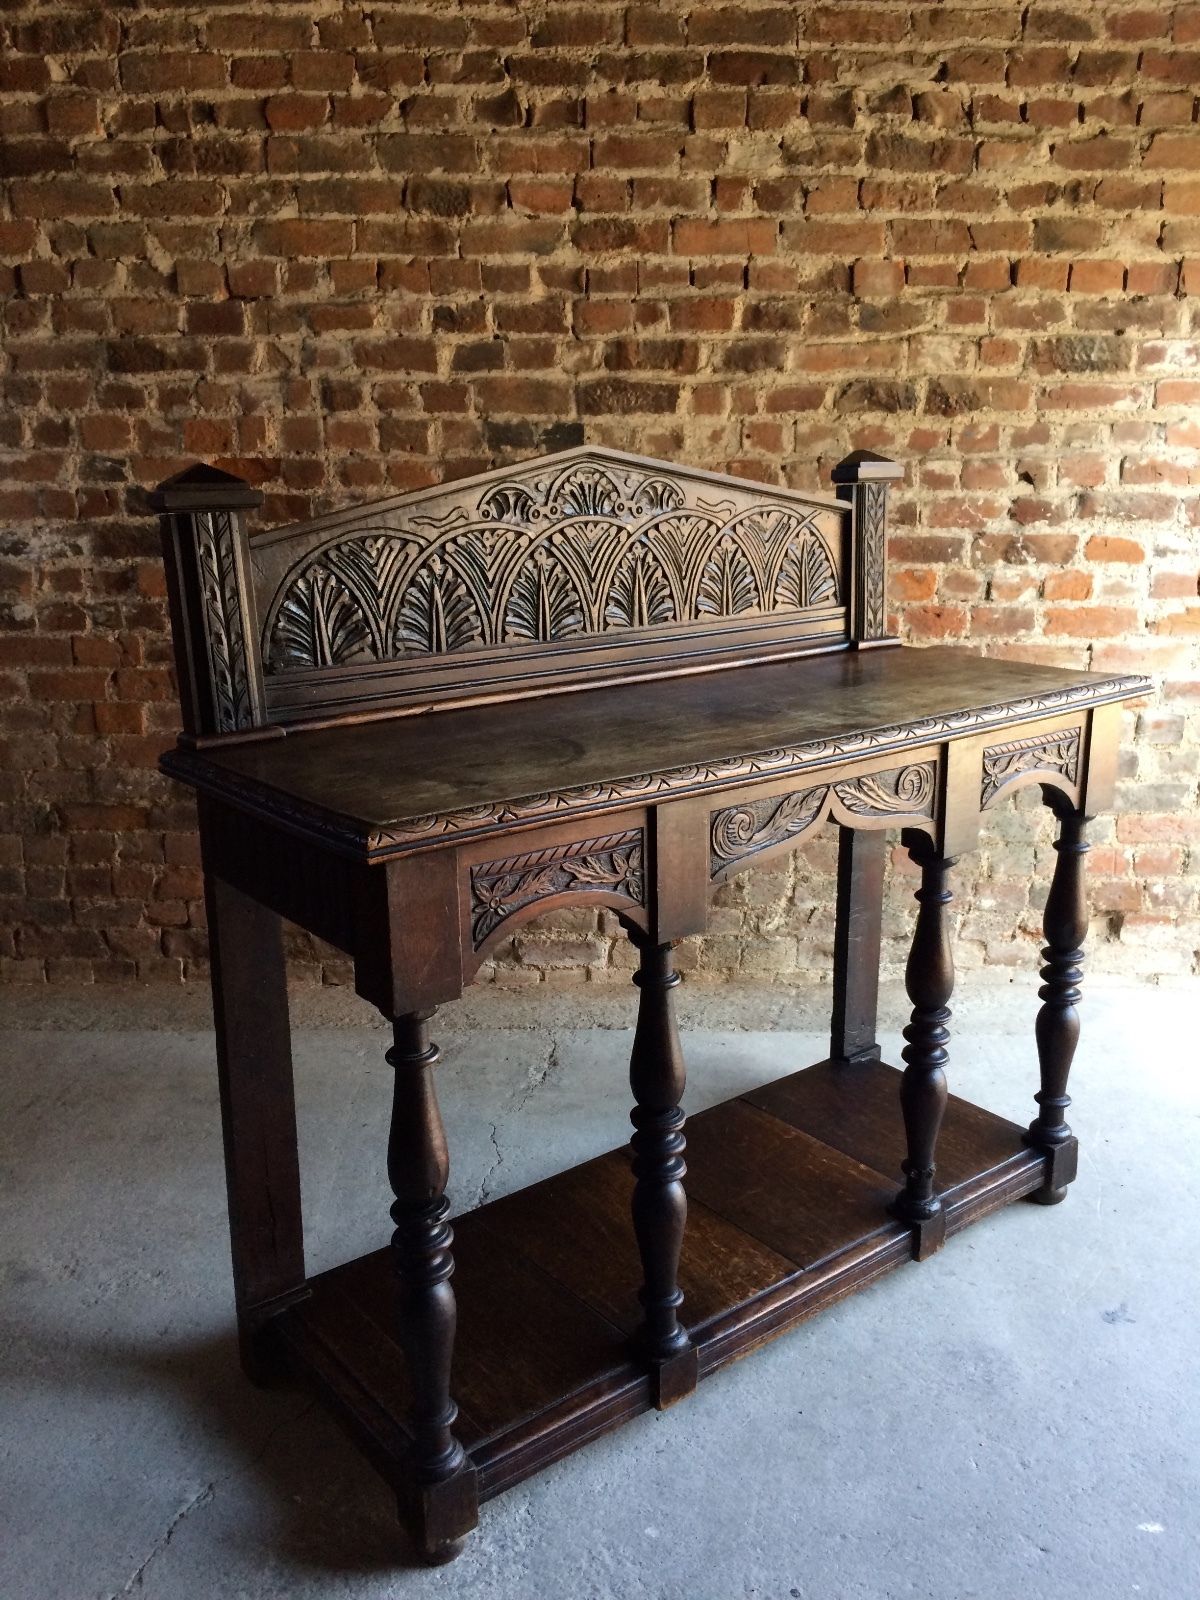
(1017, 1417)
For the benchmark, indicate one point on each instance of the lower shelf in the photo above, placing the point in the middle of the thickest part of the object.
(787, 1194)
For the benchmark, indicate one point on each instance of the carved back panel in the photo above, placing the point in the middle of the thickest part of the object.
(577, 567)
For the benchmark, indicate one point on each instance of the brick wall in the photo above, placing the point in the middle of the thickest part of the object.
(345, 249)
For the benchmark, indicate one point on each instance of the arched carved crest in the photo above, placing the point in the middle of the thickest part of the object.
(591, 559)
(592, 551)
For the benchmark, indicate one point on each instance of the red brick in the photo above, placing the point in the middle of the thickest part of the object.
(161, 71)
(1097, 277)
(726, 238)
(878, 277)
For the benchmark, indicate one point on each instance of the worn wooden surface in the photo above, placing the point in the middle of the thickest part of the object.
(781, 1222)
(381, 774)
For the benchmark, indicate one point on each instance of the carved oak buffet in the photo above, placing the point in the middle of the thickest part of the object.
(594, 679)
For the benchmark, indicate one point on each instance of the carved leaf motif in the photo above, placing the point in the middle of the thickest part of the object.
(639, 594)
(335, 609)
(319, 624)
(544, 603)
(436, 613)
(586, 491)
(656, 494)
(508, 502)
(612, 864)
(806, 576)
(1047, 753)
(727, 584)
(872, 506)
(546, 556)
(739, 832)
(223, 621)
(907, 791)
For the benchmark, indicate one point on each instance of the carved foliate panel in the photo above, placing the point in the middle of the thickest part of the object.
(612, 864)
(872, 578)
(224, 622)
(580, 549)
(738, 833)
(1044, 754)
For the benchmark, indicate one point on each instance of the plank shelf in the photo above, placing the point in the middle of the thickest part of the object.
(788, 1188)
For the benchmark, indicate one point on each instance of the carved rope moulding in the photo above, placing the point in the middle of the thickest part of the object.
(613, 864)
(738, 833)
(1049, 754)
(589, 550)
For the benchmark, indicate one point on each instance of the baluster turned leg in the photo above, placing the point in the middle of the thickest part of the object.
(445, 1502)
(1057, 1029)
(657, 1077)
(929, 979)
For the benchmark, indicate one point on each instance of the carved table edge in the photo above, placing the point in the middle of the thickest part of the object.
(375, 844)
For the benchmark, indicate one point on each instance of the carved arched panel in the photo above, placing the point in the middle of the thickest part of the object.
(1050, 759)
(608, 870)
(902, 797)
(571, 552)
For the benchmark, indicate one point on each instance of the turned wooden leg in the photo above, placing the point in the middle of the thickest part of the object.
(258, 1116)
(1057, 1029)
(929, 979)
(445, 1502)
(657, 1077)
(856, 942)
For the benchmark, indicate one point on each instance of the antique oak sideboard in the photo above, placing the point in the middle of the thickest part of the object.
(594, 680)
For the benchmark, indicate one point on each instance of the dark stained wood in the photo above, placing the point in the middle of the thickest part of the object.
(862, 479)
(214, 623)
(590, 564)
(418, 1168)
(657, 1078)
(853, 1109)
(592, 1251)
(593, 680)
(929, 979)
(364, 781)
(857, 935)
(799, 1197)
(258, 1114)
(544, 1364)
(1065, 923)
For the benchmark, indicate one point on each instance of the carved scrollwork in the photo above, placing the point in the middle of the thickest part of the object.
(586, 550)
(906, 791)
(612, 864)
(738, 833)
(1046, 754)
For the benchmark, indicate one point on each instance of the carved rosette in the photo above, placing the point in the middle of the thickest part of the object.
(739, 833)
(224, 622)
(1047, 755)
(613, 865)
(586, 550)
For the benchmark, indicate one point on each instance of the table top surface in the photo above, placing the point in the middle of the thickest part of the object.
(380, 773)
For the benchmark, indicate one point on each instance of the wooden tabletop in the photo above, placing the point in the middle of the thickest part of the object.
(439, 771)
